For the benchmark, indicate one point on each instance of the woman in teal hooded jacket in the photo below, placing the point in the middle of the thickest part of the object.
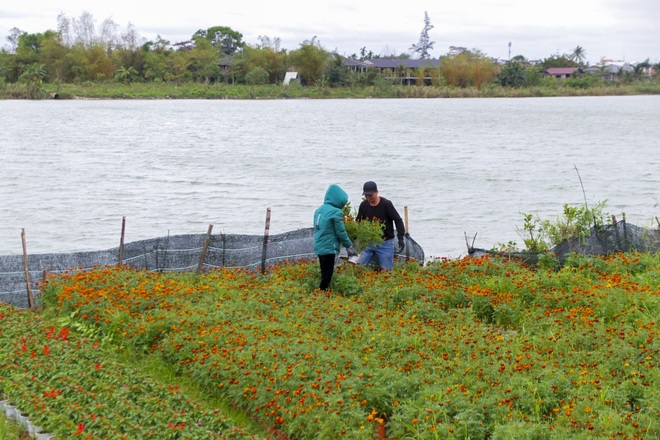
(330, 233)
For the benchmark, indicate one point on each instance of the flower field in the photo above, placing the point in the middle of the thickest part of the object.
(472, 348)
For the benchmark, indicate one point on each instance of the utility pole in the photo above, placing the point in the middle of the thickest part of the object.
(509, 51)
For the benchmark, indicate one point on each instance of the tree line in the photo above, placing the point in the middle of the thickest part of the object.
(79, 51)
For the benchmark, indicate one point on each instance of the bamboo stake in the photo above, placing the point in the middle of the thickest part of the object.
(27, 272)
(202, 257)
(265, 248)
(121, 240)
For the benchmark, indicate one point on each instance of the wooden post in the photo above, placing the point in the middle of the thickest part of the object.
(625, 233)
(405, 215)
(616, 230)
(121, 240)
(265, 248)
(27, 272)
(202, 257)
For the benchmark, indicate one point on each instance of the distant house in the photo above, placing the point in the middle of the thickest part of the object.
(610, 70)
(562, 72)
(394, 63)
(352, 64)
(405, 70)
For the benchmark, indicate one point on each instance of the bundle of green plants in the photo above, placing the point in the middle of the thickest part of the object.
(363, 233)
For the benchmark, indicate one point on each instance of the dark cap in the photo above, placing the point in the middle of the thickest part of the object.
(369, 188)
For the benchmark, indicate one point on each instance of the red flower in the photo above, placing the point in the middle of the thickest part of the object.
(64, 334)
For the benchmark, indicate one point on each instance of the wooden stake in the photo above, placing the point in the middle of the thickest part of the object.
(27, 272)
(405, 214)
(121, 240)
(202, 257)
(625, 233)
(265, 248)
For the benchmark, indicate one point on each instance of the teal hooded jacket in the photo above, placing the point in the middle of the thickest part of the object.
(329, 230)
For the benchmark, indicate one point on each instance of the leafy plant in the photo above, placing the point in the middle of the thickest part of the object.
(363, 233)
(575, 223)
(532, 233)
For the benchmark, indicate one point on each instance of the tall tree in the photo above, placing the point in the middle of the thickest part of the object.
(578, 55)
(558, 61)
(223, 38)
(85, 29)
(12, 38)
(512, 74)
(425, 44)
(310, 60)
(64, 28)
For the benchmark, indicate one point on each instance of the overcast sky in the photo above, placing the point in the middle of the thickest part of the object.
(627, 30)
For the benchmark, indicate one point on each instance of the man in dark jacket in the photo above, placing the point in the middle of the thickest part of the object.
(375, 207)
(330, 232)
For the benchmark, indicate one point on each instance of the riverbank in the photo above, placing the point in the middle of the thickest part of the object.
(113, 90)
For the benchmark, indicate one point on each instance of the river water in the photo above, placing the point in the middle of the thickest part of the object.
(72, 169)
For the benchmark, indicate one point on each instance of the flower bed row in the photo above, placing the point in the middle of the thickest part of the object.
(483, 348)
(70, 387)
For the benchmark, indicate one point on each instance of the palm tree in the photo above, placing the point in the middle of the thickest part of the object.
(578, 55)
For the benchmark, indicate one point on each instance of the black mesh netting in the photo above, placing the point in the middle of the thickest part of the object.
(172, 253)
(603, 240)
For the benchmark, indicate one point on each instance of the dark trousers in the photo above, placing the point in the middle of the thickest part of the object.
(327, 263)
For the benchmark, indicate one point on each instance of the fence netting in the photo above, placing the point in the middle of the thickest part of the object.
(169, 254)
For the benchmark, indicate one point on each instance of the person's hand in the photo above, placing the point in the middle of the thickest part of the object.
(351, 252)
(402, 244)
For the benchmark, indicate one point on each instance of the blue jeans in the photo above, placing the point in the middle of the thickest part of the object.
(383, 252)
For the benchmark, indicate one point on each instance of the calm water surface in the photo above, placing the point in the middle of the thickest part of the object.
(72, 169)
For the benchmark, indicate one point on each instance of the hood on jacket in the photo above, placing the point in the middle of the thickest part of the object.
(335, 196)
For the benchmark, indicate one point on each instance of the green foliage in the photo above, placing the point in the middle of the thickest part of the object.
(363, 233)
(558, 61)
(33, 78)
(310, 61)
(575, 223)
(257, 76)
(585, 81)
(224, 39)
(126, 75)
(467, 69)
(512, 74)
(11, 430)
(532, 234)
(337, 74)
